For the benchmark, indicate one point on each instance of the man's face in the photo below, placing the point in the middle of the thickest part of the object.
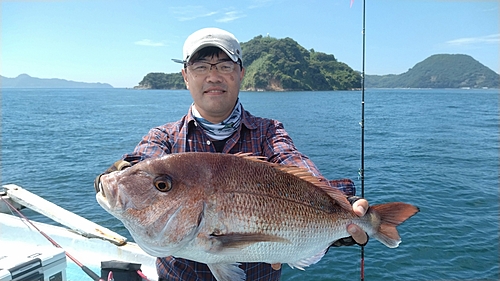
(214, 94)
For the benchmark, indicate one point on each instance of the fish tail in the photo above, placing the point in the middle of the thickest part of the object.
(386, 217)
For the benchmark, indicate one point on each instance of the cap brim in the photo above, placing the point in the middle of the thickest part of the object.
(179, 61)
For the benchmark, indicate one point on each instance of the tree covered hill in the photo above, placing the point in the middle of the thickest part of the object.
(440, 71)
(158, 80)
(277, 65)
(283, 65)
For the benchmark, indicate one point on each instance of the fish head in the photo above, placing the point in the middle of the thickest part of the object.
(157, 202)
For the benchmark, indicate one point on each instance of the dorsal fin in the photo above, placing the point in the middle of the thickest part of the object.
(249, 155)
(306, 175)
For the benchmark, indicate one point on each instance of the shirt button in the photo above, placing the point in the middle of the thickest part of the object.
(208, 142)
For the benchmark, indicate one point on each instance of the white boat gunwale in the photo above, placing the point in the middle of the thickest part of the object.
(87, 241)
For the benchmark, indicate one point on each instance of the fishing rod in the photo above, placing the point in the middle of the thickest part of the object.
(362, 123)
(88, 271)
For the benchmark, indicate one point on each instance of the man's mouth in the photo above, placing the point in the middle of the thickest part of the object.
(214, 91)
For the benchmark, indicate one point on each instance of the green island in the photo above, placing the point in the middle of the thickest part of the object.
(277, 65)
(440, 71)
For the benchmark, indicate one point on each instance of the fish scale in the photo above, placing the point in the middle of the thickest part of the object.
(221, 209)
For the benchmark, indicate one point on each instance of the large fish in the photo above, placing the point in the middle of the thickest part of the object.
(221, 209)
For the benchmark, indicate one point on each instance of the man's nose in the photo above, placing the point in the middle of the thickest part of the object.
(213, 74)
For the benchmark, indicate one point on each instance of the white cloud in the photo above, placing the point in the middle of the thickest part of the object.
(488, 39)
(188, 13)
(231, 16)
(254, 4)
(149, 43)
(193, 17)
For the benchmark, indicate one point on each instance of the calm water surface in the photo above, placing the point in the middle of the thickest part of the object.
(437, 149)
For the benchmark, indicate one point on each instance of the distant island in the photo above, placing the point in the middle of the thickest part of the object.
(26, 81)
(283, 65)
(440, 71)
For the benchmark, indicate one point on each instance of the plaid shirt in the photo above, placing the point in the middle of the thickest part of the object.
(260, 136)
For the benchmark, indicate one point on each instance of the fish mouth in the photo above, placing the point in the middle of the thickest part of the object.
(102, 185)
(101, 190)
(105, 194)
(98, 185)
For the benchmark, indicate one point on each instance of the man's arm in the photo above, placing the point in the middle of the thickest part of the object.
(154, 144)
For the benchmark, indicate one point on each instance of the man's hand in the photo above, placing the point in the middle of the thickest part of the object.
(276, 266)
(359, 235)
(117, 166)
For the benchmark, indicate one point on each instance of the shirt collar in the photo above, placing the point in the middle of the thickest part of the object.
(247, 119)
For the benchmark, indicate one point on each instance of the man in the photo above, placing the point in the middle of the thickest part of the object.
(216, 122)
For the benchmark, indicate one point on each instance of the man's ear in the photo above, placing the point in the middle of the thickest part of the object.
(184, 75)
(242, 73)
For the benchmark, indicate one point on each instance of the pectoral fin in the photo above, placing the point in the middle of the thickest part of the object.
(236, 241)
(241, 240)
(227, 272)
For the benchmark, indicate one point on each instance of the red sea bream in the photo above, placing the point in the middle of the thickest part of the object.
(221, 209)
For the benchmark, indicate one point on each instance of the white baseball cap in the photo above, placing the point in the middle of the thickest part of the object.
(207, 37)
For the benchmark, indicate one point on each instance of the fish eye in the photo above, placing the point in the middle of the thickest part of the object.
(163, 183)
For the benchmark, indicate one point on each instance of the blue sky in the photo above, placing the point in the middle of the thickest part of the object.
(119, 42)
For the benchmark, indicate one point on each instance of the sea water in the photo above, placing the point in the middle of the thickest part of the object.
(437, 149)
